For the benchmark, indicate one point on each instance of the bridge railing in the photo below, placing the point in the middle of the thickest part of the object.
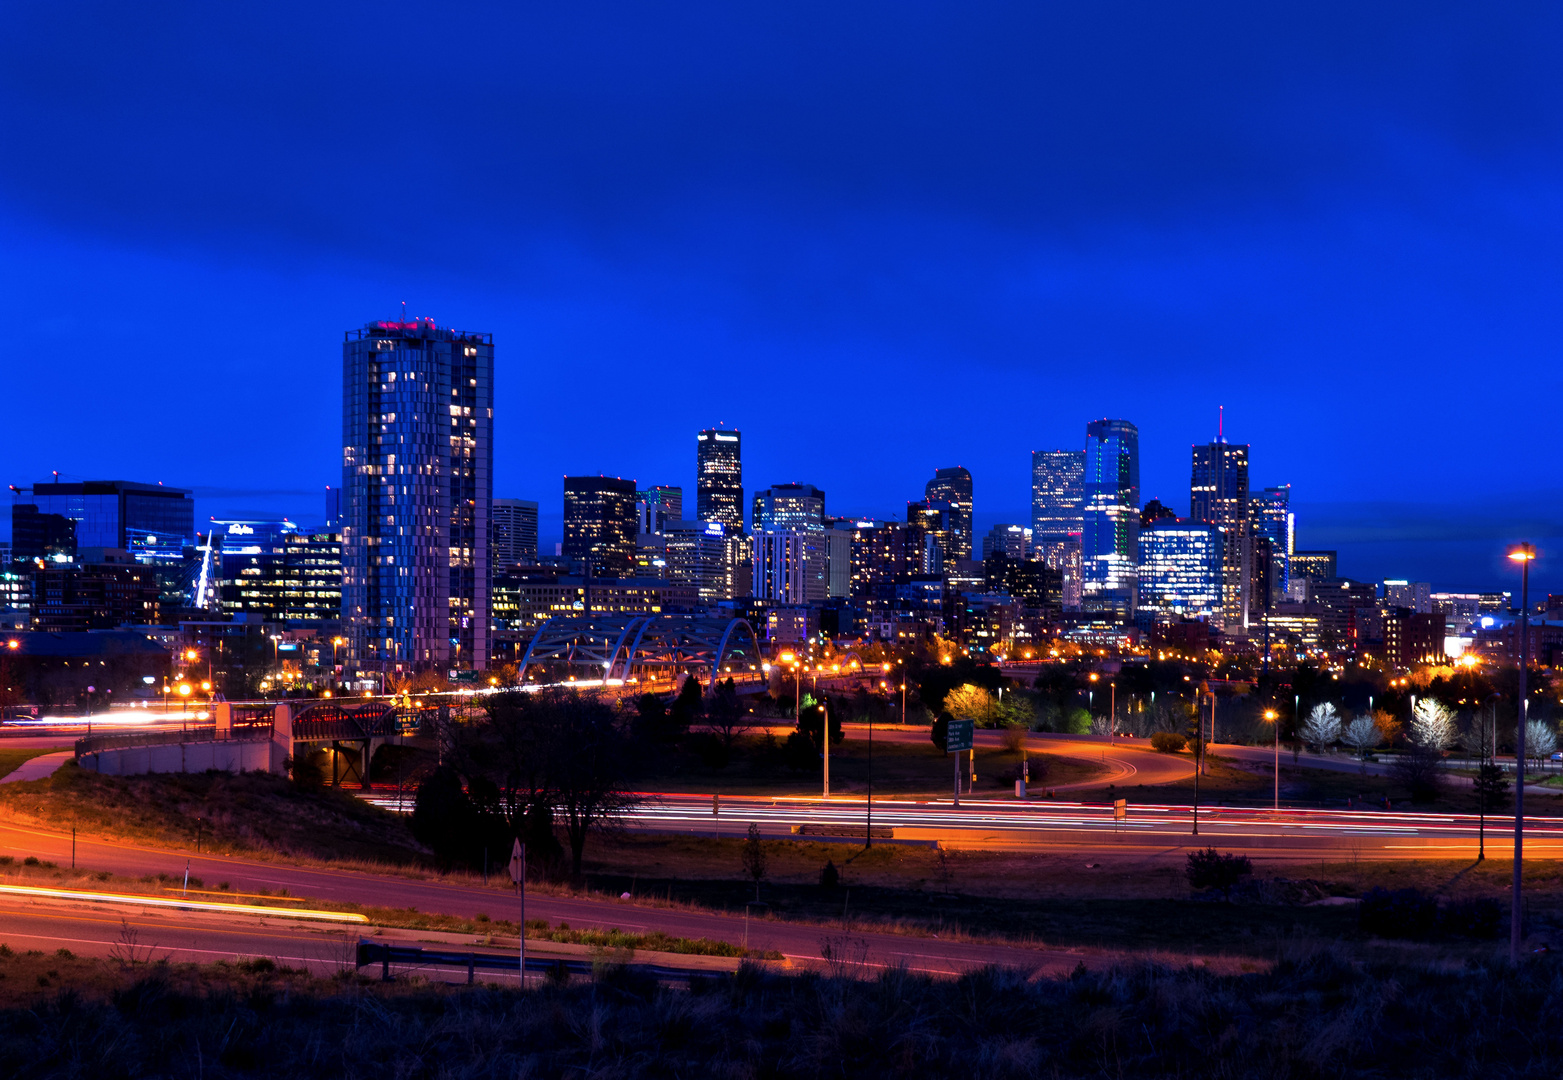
(196, 733)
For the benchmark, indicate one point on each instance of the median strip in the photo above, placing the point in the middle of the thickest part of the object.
(181, 904)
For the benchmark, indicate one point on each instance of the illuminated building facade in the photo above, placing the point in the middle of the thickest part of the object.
(600, 524)
(656, 506)
(719, 477)
(1057, 495)
(1013, 540)
(952, 488)
(270, 569)
(1218, 493)
(514, 532)
(1110, 539)
(1181, 568)
(417, 491)
(789, 506)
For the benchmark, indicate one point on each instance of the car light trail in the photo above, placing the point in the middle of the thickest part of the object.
(182, 904)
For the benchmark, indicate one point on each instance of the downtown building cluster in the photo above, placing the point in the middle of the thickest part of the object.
(417, 567)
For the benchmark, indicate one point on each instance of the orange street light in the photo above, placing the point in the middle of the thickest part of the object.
(190, 654)
(184, 689)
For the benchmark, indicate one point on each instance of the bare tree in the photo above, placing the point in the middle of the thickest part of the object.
(1540, 740)
(754, 858)
(725, 713)
(1323, 726)
(1362, 735)
(1432, 726)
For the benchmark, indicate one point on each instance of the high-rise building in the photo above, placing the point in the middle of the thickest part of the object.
(695, 553)
(1013, 540)
(1154, 511)
(417, 488)
(953, 487)
(152, 522)
(600, 524)
(514, 533)
(884, 553)
(1057, 499)
(719, 477)
(1415, 596)
(103, 589)
(1181, 568)
(788, 506)
(1218, 493)
(1270, 516)
(1313, 565)
(935, 520)
(1110, 546)
(657, 505)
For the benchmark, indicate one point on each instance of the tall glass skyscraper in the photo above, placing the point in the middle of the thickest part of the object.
(789, 506)
(1218, 493)
(1057, 495)
(1181, 568)
(953, 486)
(1110, 538)
(719, 477)
(600, 524)
(417, 484)
(514, 533)
(1270, 514)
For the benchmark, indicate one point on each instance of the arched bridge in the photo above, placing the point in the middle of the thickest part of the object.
(331, 721)
(640, 648)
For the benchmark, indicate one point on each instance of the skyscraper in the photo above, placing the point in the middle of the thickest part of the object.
(417, 485)
(1181, 567)
(719, 477)
(1057, 495)
(515, 533)
(1218, 493)
(1270, 516)
(953, 486)
(789, 506)
(600, 524)
(1109, 544)
(658, 505)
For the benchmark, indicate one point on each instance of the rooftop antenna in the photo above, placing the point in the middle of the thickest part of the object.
(1221, 423)
(404, 311)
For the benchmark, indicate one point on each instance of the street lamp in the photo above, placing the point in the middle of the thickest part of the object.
(1275, 718)
(1524, 554)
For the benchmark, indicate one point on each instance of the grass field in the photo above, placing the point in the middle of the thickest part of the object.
(10, 758)
(244, 813)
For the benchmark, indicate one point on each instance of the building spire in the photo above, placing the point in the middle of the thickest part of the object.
(1221, 423)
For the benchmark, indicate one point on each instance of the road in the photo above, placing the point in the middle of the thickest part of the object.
(465, 898)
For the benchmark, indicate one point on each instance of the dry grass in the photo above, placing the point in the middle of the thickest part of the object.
(244, 814)
(1310, 1013)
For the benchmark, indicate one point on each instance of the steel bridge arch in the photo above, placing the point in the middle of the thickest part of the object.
(626, 648)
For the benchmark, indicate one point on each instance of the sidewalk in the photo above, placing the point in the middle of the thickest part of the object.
(39, 767)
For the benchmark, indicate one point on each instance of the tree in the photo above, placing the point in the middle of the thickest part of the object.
(588, 766)
(1432, 726)
(754, 858)
(1420, 770)
(686, 708)
(813, 719)
(971, 702)
(1491, 786)
(1389, 728)
(939, 733)
(1322, 728)
(443, 819)
(1362, 735)
(1540, 740)
(725, 713)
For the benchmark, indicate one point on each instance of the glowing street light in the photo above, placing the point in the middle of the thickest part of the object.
(1275, 718)
(1524, 554)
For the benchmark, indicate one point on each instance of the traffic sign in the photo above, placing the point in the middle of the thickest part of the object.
(957, 736)
(517, 862)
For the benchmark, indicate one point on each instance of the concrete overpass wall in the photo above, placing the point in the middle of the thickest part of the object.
(230, 755)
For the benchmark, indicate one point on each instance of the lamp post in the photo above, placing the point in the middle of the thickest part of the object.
(1112, 712)
(1275, 718)
(1524, 554)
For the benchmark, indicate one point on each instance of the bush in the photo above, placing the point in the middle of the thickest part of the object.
(1168, 742)
(1473, 918)
(1209, 869)
(1398, 913)
(1419, 771)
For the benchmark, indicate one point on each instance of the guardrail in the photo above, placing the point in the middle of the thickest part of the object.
(203, 733)
(373, 952)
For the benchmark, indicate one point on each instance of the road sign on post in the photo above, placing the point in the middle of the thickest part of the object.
(518, 875)
(957, 737)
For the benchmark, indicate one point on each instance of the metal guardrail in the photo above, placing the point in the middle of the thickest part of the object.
(373, 952)
(200, 733)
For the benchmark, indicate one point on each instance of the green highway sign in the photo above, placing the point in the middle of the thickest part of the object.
(958, 736)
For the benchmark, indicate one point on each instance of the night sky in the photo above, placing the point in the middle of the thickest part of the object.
(878, 238)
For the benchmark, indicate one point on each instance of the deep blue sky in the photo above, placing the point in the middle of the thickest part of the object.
(878, 238)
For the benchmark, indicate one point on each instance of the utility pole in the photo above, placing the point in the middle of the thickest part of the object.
(1524, 554)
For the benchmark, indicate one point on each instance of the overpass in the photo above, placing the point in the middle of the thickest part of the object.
(620, 650)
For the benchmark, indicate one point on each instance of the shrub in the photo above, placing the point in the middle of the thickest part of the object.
(1168, 742)
(1398, 913)
(1472, 918)
(829, 877)
(1209, 869)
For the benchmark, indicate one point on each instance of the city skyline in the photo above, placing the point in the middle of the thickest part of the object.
(1289, 215)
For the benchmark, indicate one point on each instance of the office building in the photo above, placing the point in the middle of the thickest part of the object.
(272, 570)
(514, 532)
(1412, 638)
(1033, 583)
(952, 488)
(1218, 493)
(1312, 565)
(1013, 540)
(417, 491)
(936, 522)
(1461, 611)
(793, 566)
(527, 596)
(695, 554)
(658, 505)
(1270, 516)
(334, 509)
(1181, 568)
(883, 553)
(36, 535)
(1416, 596)
(1154, 511)
(600, 524)
(1057, 493)
(782, 507)
(103, 589)
(152, 522)
(1110, 546)
(719, 477)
